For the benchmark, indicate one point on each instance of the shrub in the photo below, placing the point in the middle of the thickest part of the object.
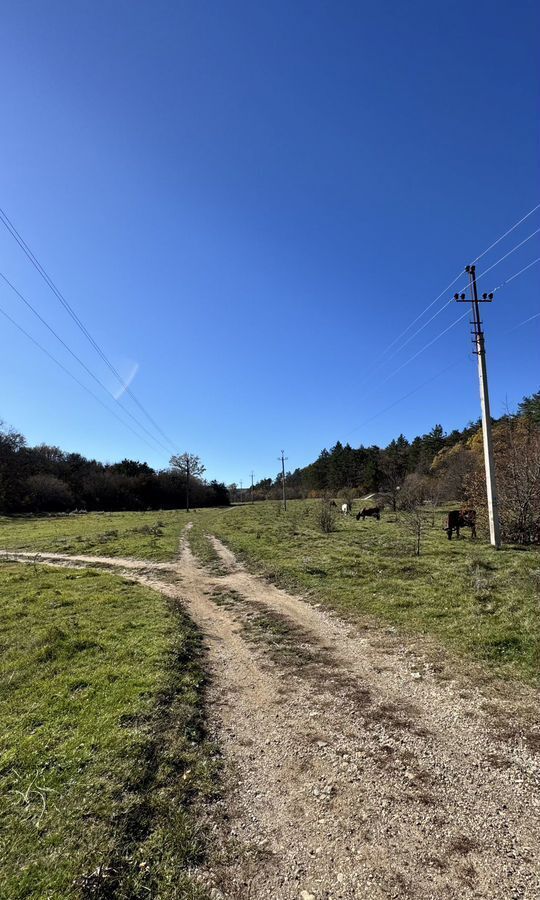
(327, 516)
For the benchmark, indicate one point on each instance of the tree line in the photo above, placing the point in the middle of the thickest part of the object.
(45, 479)
(435, 467)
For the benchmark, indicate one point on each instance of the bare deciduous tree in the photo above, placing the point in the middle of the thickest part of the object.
(414, 516)
(190, 466)
(516, 444)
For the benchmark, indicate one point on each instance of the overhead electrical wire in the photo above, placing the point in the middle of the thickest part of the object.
(381, 412)
(425, 347)
(447, 288)
(73, 377)
(513, 250)
(384, 360)
(451, 300)
(69, 309)
(506, 233)
(452, 365)
(525, 322)
(98, 381)
(418, 330)
(524, 269)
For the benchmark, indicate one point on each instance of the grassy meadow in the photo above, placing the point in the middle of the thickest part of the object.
(476, 601)
(143, 535)
(102, 746)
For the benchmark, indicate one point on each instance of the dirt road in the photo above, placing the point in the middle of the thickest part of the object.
(357, 765)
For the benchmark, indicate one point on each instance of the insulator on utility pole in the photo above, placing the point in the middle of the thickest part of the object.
(480, 350)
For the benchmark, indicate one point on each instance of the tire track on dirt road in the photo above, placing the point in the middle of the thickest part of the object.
(350, 769)
(452, 810)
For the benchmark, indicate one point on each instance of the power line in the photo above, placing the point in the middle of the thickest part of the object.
(404, 397)
(383, 361)
(98, 381)
(513, 250)
(424, 311)
(528, 238)
(525, 322)
(425, 347)
(452, 365)
(69, 309)
(447, 288)
(411, 358)
(506, 233)
(418, 330)
(524, 269)
(72, 376)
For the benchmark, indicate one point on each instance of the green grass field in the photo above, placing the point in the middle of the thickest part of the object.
(476, 601)
(144, 535)
(102, 747)
(103, 754)
(480, 603)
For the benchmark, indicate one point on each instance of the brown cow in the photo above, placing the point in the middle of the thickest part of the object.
(461, 518)
(371, 512)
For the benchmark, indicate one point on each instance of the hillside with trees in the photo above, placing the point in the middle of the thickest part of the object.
(436, 467)
(45, 479)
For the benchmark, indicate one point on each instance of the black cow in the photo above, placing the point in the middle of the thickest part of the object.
(371, 512)
(461, 518)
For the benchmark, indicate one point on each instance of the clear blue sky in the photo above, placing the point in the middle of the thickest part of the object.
(250, 201)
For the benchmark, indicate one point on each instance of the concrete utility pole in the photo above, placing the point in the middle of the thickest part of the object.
(252, 486)
(283, 458)
(478, 338)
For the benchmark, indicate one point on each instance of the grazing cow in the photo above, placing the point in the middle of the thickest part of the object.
(371, 512)
(345, 508)
(461, 518)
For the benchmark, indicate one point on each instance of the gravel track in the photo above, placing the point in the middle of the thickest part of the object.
(356, 764)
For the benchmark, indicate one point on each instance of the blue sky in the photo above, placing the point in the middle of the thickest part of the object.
(250, 202)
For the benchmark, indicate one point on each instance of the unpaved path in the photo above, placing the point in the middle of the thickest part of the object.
(354, 767)
(126, 563)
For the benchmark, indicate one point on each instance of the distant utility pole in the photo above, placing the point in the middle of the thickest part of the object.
(241, 486)
(478, 339)
(252, 486)
(283, 458)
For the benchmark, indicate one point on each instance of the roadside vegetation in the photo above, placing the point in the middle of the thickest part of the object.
(103, 754)
(476, 601)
